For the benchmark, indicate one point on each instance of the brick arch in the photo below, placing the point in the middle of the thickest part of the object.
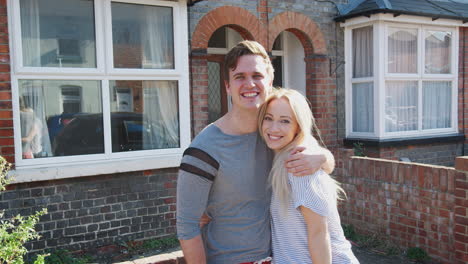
(320, 85)
(237, 18)
(302, 26)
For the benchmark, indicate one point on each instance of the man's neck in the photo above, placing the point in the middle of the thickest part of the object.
(238, 122)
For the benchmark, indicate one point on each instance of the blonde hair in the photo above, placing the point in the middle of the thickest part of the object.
(278, 178)
(246, 47)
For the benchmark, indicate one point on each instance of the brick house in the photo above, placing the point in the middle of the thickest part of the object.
(98, 99)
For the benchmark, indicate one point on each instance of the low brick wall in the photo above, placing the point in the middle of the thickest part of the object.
(90, 212)
(442, 154)
(461, 210)
(414, 205)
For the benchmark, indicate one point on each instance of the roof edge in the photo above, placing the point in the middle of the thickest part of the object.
(368, 13)
(384, 4)
(344, 9)
(192, 2)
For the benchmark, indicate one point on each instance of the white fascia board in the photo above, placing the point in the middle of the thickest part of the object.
(407, 19)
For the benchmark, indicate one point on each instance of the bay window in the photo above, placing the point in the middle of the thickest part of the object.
(402, 79)
(99, 81)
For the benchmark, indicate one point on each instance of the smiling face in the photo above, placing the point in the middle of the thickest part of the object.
(249, 82)
(279, 125)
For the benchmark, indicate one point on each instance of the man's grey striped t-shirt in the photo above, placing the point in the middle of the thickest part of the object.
(289, 230)
(226, 176)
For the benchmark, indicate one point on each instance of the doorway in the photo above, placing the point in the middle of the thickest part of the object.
(222, 40)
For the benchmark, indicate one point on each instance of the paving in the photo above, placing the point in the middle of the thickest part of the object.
(363, 255)
(371, 257)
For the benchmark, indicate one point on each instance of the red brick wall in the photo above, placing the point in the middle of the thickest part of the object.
(6, 112)
(414, 205)
(321, 92)
(199, 92)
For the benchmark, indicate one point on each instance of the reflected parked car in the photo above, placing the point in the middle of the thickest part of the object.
(84, 134)
(56, 123)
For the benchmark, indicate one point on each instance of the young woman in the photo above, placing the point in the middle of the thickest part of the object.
(305, 222)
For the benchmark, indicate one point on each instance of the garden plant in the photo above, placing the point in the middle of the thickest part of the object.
(17, 230)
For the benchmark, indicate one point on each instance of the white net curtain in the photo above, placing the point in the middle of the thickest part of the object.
(363, 93)
(402, 50)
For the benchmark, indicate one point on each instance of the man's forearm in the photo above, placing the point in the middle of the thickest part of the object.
(194, 250)
(329, 164)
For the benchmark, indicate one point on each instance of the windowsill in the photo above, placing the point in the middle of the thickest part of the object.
(71, 170)
(395, 142)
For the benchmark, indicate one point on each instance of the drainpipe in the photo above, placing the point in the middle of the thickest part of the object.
(463, 87)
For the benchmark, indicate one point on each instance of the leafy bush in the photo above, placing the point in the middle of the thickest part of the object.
(15, 232)
(349, 232)
(162, 243)
(65, 257)
(359, 149)
(417, 254)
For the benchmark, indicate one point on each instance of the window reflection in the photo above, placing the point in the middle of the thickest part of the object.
(142, 36)
(58, 33)
(403, 50)
(438, 52)
(401, 106)
(60, 118)
(144, 115)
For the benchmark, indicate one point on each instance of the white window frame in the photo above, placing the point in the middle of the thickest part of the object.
(282, 53)
(381, 24)
(108, 162)
(290, 76)
(62, 100)
(231, 41)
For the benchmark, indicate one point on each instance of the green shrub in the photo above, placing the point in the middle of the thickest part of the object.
(359, 149)
(162, 243)
(65, 257)
(349, 232)
(417, 254)
(15, 232)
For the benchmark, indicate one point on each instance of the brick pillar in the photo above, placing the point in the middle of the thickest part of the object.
(462, 84)
(321, 91)
(263, 10)
(461, 211)
(199, 91)
(7, 149)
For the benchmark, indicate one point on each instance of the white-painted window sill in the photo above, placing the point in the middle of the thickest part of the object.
(82, 169)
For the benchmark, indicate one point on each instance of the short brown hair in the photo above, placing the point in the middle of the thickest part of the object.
(246, 47)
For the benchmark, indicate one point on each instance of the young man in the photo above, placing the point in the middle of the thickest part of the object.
(224, 172)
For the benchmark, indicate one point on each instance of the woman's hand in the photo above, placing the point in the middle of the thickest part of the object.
(204, 220)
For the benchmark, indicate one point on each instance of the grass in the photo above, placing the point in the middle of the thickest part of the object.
(161, 244)
(150, 247)
(372, 242)
(384, 246)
